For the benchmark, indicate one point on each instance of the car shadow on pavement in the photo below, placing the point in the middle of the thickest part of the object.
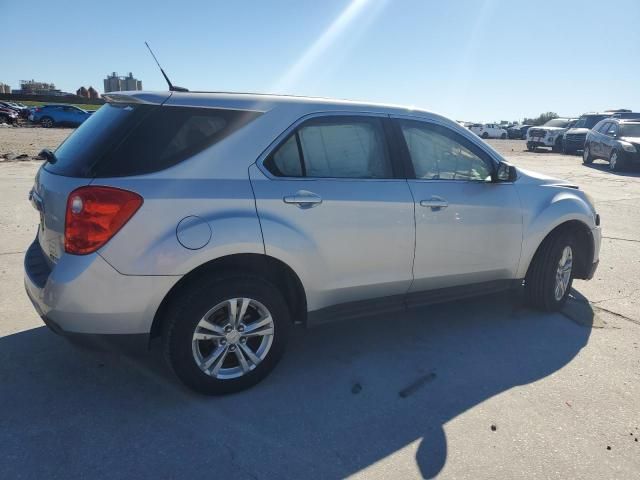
(344, 397)
(633, 171)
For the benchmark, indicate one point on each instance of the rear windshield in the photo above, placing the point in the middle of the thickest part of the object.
(121, 139)
(630, 130)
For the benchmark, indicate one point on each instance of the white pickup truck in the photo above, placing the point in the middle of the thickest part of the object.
(489, 130)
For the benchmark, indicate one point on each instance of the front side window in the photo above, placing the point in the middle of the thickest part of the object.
(604, 128)
(336, 147)
(438, 153)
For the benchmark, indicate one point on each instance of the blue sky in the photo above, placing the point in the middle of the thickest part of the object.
(477, 60)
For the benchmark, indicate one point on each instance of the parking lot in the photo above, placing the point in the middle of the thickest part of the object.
(484, 388)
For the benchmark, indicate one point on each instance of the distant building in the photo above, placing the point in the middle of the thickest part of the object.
(93, 93)
(114, 83)
(31, 87)
(5, 89)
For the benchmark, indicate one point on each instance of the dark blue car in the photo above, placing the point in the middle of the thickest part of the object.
(58, 115)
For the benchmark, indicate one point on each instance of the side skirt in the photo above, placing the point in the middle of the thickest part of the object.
(399, 303)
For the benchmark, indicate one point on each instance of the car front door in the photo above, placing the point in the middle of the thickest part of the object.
(609, 140)
(468, 228)
(597, 147)
(333, 206)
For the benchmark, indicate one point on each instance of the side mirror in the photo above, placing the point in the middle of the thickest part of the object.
(505, 173)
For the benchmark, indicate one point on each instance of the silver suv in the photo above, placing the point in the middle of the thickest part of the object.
(217, 221)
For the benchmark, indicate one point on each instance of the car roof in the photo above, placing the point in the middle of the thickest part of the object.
(257, 101)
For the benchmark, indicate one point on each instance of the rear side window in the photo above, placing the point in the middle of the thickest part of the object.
(337, 147)
(121, 140)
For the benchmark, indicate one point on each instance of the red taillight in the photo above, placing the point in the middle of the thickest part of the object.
(94, 215)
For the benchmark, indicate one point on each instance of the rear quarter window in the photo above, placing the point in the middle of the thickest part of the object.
(123, 140)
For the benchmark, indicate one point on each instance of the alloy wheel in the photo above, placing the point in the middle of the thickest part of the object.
(563, 273)
(233, 338)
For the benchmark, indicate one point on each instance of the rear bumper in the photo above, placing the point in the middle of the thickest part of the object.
(84, 294)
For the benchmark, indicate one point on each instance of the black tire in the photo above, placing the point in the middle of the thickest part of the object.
(540, 281)
(531, 147)
(587, 159)
(47, 122)
(567, 150)
(616, 161)
(485, 135)
(558, 146)
(187, 310)
(503, 136)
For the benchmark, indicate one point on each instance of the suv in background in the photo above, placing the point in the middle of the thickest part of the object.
(573, 139)
(59, 115)
(216, 221)
(489, 130)
(549, 134)
(616, 140)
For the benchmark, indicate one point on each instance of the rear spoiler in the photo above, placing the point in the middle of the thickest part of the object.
(149, 98)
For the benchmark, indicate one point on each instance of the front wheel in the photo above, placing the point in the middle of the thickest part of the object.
(531, 147)
(503, 136)
(485, 135)
(46, 122)
(587, 159)
(550, 275)
(226, 334)
(616, 163)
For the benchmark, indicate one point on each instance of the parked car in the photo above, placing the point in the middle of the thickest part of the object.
(573, 139)
(489, 130)
(517, 132)
(626, 115)
(216, 221)
(8, 115)
(615, 140)
(58, 115)
(20, 109)
(549, 135)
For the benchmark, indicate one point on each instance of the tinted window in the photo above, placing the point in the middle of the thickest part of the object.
(120, 140)
(285, 161)
(438, 153)
(604, 128)
(630, 130)
(613, 129)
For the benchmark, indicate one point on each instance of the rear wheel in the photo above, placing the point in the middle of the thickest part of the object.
(226, 333)
(485, 135)
(503, 136)
(531, 147)
(46, 122)
(587, 159)
(550, 274)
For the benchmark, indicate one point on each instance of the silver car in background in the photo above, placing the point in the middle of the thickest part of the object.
(217, 221)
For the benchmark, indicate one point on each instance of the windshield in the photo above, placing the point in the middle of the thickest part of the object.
(630, 130)
(589, 121)
(557, 122)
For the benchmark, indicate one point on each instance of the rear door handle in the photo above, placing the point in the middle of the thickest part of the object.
(435, 203)
(303, 199)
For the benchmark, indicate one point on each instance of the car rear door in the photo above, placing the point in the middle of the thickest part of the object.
(597, 147)
(468, 228)
(333, 206)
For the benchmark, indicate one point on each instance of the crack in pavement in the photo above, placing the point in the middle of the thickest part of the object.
(621, 239)
(616, 314)
(10, 253)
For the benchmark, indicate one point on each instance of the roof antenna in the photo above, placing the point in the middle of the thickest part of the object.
(172, 88)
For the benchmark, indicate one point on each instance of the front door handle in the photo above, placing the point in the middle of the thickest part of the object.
(303, 199)
(435, 203)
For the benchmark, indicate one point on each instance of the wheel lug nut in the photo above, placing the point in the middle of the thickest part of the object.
(223, 342)
(241, 328)
(243, 340)
(228, 328)
(232, 348)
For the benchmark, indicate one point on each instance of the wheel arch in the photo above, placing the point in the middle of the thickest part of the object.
(265, 266)
(583, 237)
